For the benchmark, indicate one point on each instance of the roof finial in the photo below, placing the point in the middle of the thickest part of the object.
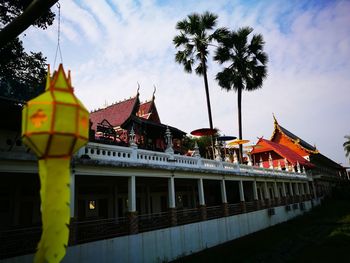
(154, 91)
(274, 118)
(138, 88)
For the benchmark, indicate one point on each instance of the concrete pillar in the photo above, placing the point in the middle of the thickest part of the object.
(223, 191)
(266, 195)
(276, 193)
(255, 191)
(255, 195)
(202, 207)
(132, 213)
(302, 190)
(291, 193)
(172, 203)
(275, 190)
(241, 191)
(297, 192)
(171, 192)
(308, 191)
(241, 196)
(201, 192)
(284, 193)
(132, 194)
(224, 198)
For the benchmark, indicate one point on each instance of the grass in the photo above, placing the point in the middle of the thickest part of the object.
(322, 235)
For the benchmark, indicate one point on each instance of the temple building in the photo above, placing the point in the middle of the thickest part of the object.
(287, 151)
(114, 123)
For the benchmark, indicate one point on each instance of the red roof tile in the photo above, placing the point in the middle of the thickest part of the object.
(282, 150)
(115, 114)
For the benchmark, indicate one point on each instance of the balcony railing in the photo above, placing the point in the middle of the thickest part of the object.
(15, 242)
(136, 156)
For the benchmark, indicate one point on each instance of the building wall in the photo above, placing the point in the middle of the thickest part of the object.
(170, 243)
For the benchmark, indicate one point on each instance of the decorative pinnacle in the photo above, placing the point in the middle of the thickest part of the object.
(132, 136)
(196, 150)
(169, 141)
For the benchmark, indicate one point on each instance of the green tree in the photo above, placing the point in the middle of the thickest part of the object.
(246, 65)
(347, 145)
(196, 34)
(22, 74)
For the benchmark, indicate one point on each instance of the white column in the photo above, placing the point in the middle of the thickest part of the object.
(171, 192)
(132, 194)
(302, 185)
(266, 190)
(255, 191)
(284, 189)
(297, 189)
(314, 189)
(72, 193)
(241, 191)
(291, 188)
(307, 188)
(223, 191)
(275, 189)
(201, 192)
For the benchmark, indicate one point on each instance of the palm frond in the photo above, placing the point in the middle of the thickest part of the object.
(208, 20)
(180, 40)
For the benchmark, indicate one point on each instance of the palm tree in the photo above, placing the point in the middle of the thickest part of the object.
(347, 145)
(246, 68)
(194, 39)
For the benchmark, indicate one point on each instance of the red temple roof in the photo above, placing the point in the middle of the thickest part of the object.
(282, 150)
(116, 114)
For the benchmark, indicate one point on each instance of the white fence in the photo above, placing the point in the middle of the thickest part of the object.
(103, 152)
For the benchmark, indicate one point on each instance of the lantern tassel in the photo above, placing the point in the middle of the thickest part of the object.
(55, 209)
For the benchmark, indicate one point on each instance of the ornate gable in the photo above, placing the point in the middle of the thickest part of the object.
(283, 136)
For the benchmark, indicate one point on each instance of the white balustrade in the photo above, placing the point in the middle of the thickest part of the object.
(105, 152)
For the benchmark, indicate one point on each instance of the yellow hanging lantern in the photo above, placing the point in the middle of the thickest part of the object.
(54, 126)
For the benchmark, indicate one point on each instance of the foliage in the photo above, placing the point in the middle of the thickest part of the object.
(22, 74)
(246, 64)
(10, 9)
(196, 34)
(346, 145)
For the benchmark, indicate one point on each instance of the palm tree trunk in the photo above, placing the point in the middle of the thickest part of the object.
(207, 92)
(239, 95)
(208, 100)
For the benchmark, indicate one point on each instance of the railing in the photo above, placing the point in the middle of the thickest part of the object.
(214, 212)
(187, 216)
(19, 241)
(150, 222)
(23, 241)
(234, 209)
(131, 155)
(251, 206)
(87, 231)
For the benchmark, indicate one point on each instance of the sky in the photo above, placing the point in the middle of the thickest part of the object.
(111, 45)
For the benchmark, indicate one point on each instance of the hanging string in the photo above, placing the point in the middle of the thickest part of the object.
(58, 49)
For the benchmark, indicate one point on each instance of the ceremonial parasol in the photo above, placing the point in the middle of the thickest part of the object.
(237, 142)
(204, 132)
(226, 138)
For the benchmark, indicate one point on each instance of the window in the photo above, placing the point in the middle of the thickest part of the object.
(92, 205)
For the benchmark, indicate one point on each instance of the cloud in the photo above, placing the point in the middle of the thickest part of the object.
(112, 45)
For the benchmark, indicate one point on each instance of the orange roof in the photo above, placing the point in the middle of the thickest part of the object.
(281, 150)
(292, 137)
